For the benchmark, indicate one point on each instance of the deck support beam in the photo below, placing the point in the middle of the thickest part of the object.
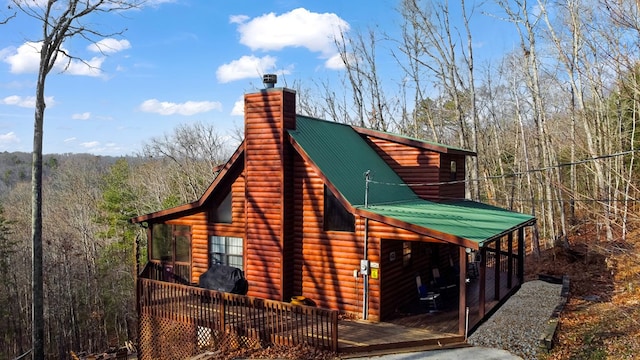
(462, 289)
(497, 269)
(521, 255)
(510, 260)
(482, 281)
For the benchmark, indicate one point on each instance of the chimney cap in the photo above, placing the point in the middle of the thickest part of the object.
(269, 80)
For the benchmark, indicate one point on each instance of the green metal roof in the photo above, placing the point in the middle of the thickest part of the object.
(343, 157)
(466, 219)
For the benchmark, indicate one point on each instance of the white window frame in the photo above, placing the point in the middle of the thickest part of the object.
(227, 250)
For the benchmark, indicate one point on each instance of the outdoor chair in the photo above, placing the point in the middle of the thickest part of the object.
(429, 299)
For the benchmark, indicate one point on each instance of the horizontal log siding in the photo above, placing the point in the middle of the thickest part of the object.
(325, 260)
(455, 190)
(398, 280)
(267, 115)
(413, 165)
(202, 229)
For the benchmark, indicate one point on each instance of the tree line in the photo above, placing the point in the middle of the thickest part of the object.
(554, 121)
(89, 260)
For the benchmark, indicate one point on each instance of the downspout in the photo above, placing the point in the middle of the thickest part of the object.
(364, 264)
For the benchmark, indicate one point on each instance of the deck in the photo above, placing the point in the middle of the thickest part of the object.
(169, 305)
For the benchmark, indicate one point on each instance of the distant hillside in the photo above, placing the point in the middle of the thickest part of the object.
(15, 167)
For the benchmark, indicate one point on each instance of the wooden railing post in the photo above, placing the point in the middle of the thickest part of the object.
(510, 260)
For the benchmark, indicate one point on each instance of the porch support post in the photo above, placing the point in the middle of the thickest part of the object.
(462, 289)
(498, 256)
(510, 259)
(482, 281)
(521, 255)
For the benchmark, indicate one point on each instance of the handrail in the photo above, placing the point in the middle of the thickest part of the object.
(267, 321)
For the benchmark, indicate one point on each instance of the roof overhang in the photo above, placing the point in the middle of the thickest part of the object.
(232, 163)
(416, 143)
(465, 223)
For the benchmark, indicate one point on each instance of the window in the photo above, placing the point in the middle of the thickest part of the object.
(453, 169)
(226, 250)
(406, 253)
(170, 242)
(222, 214)
(336, 217)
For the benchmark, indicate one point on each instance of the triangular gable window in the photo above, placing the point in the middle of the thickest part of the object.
(336, 217)
(222, 214)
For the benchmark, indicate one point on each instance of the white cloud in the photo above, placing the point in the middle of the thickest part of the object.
(245, 67)
(238, 19)
(81, 116)
(109, 46)
(297, 28)
(87, 68)
(90, 144)
(26, 59)
(187, 108)
(26, 102)
(335, 62)
(8, 139)
(69, 140)
(238, 107)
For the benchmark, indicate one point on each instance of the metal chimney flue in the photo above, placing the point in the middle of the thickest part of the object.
(269, 80)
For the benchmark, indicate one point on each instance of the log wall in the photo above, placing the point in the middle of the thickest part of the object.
(427, 169)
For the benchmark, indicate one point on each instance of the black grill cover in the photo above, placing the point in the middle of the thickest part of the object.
(224, 278)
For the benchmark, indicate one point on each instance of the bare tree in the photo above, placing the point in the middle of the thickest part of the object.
(192, 151)
(60, 21)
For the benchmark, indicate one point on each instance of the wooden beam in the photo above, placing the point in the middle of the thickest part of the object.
(521, 255)
(462, 289)
(497, 270)
(482, 282)
(510, 259)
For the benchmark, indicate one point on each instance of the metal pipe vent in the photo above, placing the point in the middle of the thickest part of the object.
(269, 80)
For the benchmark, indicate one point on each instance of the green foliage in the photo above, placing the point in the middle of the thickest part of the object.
(7, 243)
(118, 202)
(116, 261)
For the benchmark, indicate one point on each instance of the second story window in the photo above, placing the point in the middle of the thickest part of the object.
(222, 214)
(453, 170)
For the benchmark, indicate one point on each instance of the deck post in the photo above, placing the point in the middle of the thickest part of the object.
(462, 289)
(482, 282)
(521, 255)
(498, 256)
(510, 260)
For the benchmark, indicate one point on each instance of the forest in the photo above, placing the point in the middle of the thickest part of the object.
(554, 123)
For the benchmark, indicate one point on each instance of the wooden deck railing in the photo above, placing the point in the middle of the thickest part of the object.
(208, 315)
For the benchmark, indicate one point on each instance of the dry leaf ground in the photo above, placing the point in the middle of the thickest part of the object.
(602, 317)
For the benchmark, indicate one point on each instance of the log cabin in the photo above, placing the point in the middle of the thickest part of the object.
(342, 216)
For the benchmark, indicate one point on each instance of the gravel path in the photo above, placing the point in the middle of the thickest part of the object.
(518, 324)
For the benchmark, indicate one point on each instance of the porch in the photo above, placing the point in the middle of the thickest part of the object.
(177, 320)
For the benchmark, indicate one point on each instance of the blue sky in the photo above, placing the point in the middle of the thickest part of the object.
(180, 62)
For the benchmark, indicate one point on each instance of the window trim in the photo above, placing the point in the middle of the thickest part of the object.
(227, 254)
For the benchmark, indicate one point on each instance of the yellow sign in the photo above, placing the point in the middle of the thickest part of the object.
(374, 273)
